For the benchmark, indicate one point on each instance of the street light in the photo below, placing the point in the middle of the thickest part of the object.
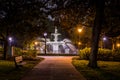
(79, 31)
(79, 43)
(36, 43)
(35, 46)
(10, 39)
(104, 39)
(118, 45)
(45, 34)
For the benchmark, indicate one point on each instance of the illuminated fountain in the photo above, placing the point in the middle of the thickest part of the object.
(59, 47)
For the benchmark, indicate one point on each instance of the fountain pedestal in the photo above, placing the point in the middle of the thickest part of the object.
(56, 43)
(55, 48)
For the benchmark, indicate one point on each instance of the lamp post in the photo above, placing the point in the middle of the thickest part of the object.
(79, 43)
(79, 31)
(35, 46)
(45, 34)
(118, 45)
(104, 39)
(10, 39)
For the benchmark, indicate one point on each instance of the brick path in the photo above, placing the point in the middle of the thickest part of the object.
(54, 68)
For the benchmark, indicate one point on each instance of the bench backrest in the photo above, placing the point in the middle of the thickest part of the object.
(18, 59)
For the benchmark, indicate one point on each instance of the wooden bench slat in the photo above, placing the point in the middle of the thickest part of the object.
(19, 61)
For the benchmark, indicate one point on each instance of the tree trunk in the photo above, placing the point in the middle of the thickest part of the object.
(96, 30)
(5, 49)
(6, 44)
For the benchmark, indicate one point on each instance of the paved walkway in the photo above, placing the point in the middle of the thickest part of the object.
(54, 68)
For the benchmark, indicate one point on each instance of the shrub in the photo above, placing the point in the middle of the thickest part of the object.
(30, 54)
(103, 54)
(116, 55)
(27, 54)
(1, 50)
(17, 51)
(84, 53)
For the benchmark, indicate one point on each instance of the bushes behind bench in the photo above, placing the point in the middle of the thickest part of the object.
(103, 54)
(27, 54)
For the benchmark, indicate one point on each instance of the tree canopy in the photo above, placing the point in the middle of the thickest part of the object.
(28, 19)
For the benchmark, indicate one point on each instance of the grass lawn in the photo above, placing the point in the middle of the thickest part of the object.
(108, 70)
(9, 72)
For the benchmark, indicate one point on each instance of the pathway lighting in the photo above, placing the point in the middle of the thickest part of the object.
(118, 44)
(10, 40)
(79, 30)
(79, 43)
(104, 38)
(36, 43)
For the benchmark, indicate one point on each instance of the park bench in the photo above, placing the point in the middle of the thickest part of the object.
(19, 61)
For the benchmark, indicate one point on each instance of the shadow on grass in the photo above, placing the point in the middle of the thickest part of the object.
(9, 72)
(108, 74)
(106, 71)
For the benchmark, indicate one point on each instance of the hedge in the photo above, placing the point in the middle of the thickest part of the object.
(27, 54)
(103, 54)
